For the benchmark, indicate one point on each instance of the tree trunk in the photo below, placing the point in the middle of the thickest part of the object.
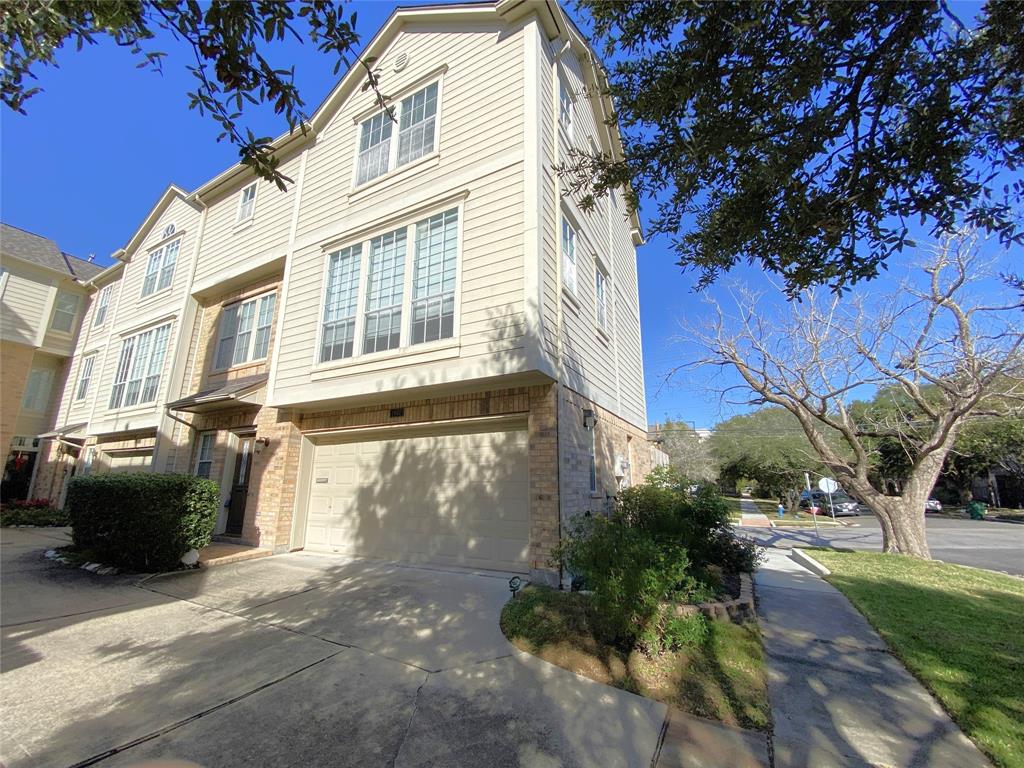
(901, 517)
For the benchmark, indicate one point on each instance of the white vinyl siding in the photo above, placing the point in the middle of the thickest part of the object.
(246, 203)
(339, 324)
(85, 377)
(65, 310)
(139, 367)
(37, 389)
(102, 303)
(433, 283)
(204, 456)
(417, 132)
(385, 286)
(160, 268)
(569, 262)
(245, 331)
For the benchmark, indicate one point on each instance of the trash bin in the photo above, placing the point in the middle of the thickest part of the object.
(976, 510)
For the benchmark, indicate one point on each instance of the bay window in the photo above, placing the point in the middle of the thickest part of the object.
(65, 310)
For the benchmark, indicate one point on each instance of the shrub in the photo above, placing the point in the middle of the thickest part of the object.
(32, 512)
(630, 573)
(668, 632)
(142, 521)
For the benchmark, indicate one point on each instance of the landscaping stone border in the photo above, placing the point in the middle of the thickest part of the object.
(98, 568)
(738, 609)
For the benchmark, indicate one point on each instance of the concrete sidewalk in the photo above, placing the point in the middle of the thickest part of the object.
(838, 696)
(751, 516)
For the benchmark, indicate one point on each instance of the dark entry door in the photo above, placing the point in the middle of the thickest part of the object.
(240, 486)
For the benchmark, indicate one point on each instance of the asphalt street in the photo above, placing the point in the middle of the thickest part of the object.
(990, 544)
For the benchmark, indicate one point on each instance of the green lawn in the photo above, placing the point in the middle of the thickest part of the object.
(959, 630)
(722, 679)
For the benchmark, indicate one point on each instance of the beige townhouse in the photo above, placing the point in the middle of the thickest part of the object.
(43, 293)
(423, 350)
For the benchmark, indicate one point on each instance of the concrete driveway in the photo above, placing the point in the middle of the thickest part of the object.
(295, 660)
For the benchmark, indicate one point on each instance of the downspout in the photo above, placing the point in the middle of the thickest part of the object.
(172, 417)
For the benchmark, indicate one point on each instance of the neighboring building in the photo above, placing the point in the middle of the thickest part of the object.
(423, 350)
(43, 293)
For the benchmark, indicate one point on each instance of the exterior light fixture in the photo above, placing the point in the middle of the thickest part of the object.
(259, 444)
(514, 585)
(589, 418)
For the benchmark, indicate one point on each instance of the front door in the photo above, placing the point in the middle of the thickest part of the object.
(240, 486)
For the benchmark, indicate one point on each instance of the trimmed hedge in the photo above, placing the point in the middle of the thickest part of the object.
(36, 512)
(142, 521)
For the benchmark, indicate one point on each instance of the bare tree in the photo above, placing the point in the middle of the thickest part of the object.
(934, 345)
(688, 451)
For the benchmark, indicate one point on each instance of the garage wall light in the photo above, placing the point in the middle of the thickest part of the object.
(589, 418)
(259, 444)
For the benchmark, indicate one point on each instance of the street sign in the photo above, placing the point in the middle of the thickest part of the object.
(828, 485)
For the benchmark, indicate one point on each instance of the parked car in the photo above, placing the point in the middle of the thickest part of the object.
(933, 505)
(842, 504)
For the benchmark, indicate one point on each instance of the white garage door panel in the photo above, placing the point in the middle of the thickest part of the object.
(458, 499)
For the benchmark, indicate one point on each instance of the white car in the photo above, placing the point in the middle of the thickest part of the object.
(933, 505)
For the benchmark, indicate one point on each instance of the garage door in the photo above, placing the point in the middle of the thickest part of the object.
(451, 499)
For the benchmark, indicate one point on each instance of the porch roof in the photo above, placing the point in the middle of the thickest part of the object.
(241, 391)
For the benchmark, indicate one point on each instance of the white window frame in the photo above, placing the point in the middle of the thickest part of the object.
(127, 364)
(59, 311)
(250, 347)
(37, 393)
(592, 450)
(405, 342)
(99, 317)
(601, 287)
(395, 110)
(85, 377)
(569, 257)
(157, 268)
(247, 208)
(207, 440)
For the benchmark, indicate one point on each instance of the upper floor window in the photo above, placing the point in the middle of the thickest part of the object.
(417, 133)
(102, 302)
(601, 295)
(247, 203)
(204, 456)
(568, 256)
(378, 312)
(65, 309)
(137, 379)
(245, 331)
(565, 106)
(37, 389)
(85, 377)
(160, 268)
(340, 303)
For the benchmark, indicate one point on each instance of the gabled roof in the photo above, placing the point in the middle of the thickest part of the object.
(16, 243)
(173, 191)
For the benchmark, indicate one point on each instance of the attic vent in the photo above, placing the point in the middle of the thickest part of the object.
(401, 62)
(169, 229)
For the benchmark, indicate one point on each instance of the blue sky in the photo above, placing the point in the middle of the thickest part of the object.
(104, 139)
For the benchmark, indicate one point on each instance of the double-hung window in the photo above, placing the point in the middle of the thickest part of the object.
(102, 303)
(393, 290)
(601, 296)
(246, 203)
(65, 309)
(416, 116)
(565, 107)
(85, 377)
(137, 378)
(160, 268)
(568, 256)
(37, 389)
(433, 283)
(204, 456)
(245, 331)
(384, 290)
(340, 305)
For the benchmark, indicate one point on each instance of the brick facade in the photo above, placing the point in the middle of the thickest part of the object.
(15, 363)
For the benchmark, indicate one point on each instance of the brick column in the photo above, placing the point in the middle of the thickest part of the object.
(543, 463)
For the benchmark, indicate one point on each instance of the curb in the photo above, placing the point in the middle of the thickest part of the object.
(809, 562)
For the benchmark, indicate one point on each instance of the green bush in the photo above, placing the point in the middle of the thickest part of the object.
(668, 632)
(35, 512)
(142, 521)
